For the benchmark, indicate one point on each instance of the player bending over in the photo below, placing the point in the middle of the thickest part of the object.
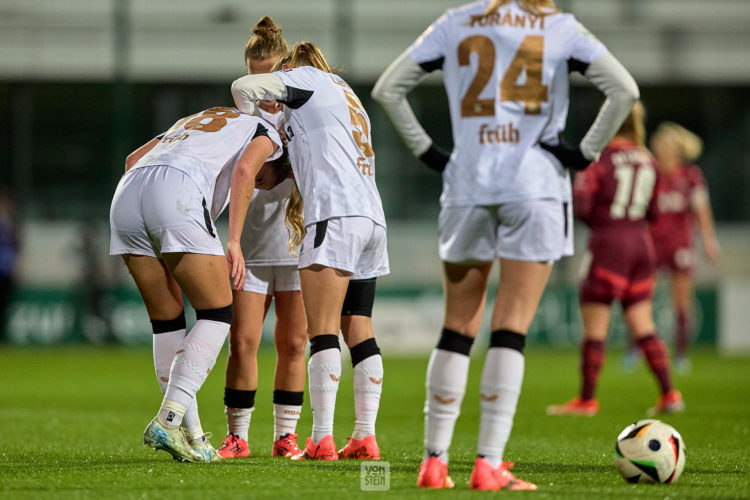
(162, 220)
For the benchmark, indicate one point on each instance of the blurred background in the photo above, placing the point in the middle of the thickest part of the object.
(84, 82)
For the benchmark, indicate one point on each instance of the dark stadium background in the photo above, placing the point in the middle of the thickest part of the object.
(85, 82)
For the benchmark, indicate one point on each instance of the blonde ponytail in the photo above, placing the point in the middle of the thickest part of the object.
(308, 54)
(294, 221)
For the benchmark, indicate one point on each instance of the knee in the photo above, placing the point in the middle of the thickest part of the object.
(243, 346)
(292, 347)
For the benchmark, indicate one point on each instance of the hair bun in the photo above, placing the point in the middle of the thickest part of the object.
(266, 26)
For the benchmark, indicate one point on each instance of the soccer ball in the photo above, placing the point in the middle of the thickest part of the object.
(650, 451)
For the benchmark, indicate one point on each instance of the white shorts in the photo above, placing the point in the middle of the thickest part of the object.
(269, 279)
(534, 230)
(158, 210)
(353, 244)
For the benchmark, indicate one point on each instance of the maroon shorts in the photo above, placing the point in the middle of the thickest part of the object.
(680, 259)
(623, 264)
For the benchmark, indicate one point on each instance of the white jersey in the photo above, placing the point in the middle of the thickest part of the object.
(330, 146)
(275, 119)
(265, 236)
(506, 77)
(328, 134)
(206, 147)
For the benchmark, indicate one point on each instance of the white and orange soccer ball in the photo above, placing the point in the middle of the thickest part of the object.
(650, 451)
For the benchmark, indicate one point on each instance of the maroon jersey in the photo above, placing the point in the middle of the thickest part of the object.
(615, 196)
(616, 191)
(673, 228)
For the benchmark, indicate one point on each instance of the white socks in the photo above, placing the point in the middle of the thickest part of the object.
(499, 390)
(447, 373)
(238, 421)
(165, 345)
(285, 418)
(324, 372)
(171, 413)
(368, 385)
(194, 360)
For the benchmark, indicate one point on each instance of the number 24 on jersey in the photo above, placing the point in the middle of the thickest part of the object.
(529, 57)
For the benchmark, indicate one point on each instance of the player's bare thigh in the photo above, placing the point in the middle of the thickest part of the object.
(290, 334)
(519, 292)
(465, 288)
(160, 292)
(323, 292)
(203, 278)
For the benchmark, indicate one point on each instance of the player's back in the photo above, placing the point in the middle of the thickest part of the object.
(506, 77)
(205, 146)
(617, 192)
(330, 146)
(206, 140)
(615, 197)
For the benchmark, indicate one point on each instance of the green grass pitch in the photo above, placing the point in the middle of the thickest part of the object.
(71, 423)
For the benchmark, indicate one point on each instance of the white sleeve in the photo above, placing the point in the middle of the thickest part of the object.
(390, 91)
(615, 82)
(248, 90)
